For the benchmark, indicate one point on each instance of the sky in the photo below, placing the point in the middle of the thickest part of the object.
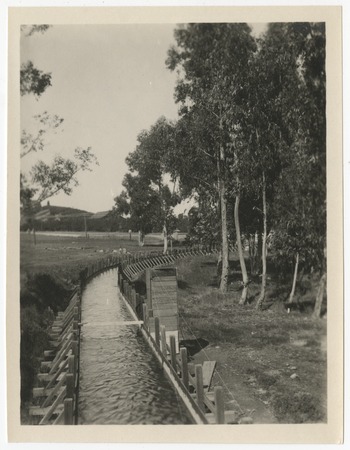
(109, 82)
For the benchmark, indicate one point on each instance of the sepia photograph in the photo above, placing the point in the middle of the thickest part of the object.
(173, 214)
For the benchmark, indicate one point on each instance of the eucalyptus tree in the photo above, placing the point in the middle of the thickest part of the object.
(273, 126)
(290, 138)
(140, 202)
(151, 203)
(212, 61)
(305, 169)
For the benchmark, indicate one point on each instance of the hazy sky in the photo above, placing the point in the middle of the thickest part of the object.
(109, 82)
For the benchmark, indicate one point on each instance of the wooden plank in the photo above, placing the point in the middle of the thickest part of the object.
(52, 409)
(208, 372)
(60, 418)
(37, 411)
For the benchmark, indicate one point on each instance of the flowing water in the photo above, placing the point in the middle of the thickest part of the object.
(121, 381)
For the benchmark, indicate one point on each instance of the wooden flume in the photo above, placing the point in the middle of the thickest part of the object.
(56, 397)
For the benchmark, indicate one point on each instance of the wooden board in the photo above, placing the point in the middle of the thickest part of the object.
(208, 372)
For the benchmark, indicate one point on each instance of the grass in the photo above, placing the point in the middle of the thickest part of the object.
(65, 256)
(278, 356)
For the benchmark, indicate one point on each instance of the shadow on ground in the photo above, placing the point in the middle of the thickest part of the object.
(194, 345)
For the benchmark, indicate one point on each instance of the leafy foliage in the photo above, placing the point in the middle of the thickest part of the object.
(34, 143)
(147, 198)
(32, 80)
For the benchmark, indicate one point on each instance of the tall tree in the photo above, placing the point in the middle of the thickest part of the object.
(151, 203)
(212, 60)
(300, 203)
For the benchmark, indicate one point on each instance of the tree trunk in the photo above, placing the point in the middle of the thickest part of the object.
(223, 208)
(141, 238)
(263, 250)
(251, 243)
(34, 235)
(319, 297)
(291, 295)
(259, 253)
(240, 254)
(165, 234)
(254, 253)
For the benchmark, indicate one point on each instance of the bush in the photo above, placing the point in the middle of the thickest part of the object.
(34, 340)
(41, 298)
(44, 291)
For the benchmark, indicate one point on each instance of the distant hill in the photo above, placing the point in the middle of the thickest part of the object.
(61, 218)
(64, 211)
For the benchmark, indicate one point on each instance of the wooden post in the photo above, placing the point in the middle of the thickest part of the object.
(157, 330)
(75, 329)
(138, 300)
(76, 313)
(71, 364)
(184, 367)
(148, 287)
(144, 316)
(70, 385)
(68, 411)
(163, 338)
(75, 354)
(133, 296)
(219, 405)
(173, 352)
(199, 386)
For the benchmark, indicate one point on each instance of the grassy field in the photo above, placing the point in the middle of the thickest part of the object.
(65, 255)
(271, 363)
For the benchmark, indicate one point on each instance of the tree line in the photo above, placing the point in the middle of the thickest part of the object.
(249, 146)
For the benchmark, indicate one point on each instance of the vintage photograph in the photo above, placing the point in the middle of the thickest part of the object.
(173, 223)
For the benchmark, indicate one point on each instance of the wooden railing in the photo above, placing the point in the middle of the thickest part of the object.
(56, 397)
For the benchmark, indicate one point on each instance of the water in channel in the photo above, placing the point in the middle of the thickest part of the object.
(121, 381)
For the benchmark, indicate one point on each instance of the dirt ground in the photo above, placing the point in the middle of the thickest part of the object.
(272, 364)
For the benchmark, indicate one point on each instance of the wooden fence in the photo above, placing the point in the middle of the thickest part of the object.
(56, 397)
